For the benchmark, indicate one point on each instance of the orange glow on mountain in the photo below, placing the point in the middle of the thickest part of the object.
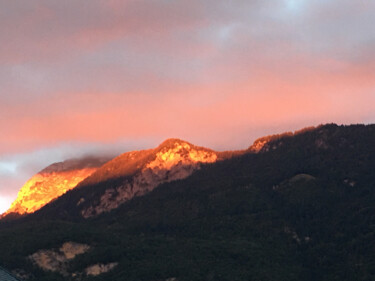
(42, 188)
(172, 160)
(168, 158)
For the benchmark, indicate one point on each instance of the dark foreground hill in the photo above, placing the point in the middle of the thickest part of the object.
(302, 208)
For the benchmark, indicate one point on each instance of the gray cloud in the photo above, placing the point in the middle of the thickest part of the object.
(50, 46)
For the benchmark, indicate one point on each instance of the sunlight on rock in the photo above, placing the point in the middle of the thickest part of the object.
(181, 153)
(176, 160)
(99, 268)
(56, 260)
(44, 187)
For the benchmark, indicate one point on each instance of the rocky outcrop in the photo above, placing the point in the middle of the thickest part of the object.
(100, 268)
(56, 260)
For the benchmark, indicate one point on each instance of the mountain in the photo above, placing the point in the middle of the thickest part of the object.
(134, 174)
(52, 182)
(298, 207)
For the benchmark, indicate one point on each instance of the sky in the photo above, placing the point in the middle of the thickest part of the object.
(107, 76)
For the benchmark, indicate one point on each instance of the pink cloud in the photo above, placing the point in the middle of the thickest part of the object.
(111, 70)
(217, 108)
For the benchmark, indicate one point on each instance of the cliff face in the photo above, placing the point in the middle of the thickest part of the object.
(53, 182)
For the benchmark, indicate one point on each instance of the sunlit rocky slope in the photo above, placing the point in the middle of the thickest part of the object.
(131, 174)
(134, 174)
(52, 182)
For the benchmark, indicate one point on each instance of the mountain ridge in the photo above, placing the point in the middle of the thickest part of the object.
(299, 210)
(128, 164)
(138, 172)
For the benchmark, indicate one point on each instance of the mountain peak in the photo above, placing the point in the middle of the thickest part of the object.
(139, 172)
(175, 151)
(171, 142)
